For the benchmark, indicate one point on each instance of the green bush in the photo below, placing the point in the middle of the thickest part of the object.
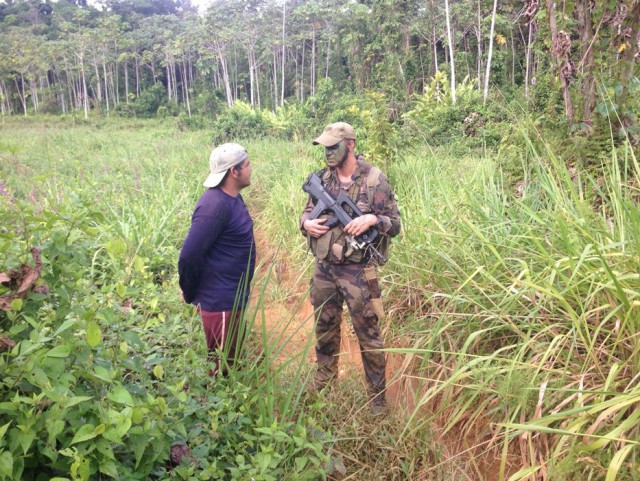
(240, 122)
(149, 101)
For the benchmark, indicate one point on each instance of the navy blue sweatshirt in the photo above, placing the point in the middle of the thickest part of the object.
(218, 256)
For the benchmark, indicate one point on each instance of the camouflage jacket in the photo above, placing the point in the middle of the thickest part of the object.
(332, 245)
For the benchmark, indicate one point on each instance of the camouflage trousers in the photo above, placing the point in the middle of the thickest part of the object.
(332, 285)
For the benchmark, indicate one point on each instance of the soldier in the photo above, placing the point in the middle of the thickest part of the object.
(345, 272)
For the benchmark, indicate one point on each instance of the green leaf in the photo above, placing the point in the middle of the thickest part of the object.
(139, 444)
(115, 433)
(86, 432)
(104, 447)
(524, 473)
(158, 371)
(16, 304)
(6, 465)
(63, 350)
(94, 336)
(73, 236)
(301, 462)
(116, 248)
(102, 374)
(72, 401)
(264, 460)
(109, 468)
(26, 438)
(121, 396)
(64, 326)
(54, 427)
(80, 469)
(617, 462)
(3, 430)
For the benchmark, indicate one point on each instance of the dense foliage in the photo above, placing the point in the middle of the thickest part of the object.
(571, 62)
(103, 374)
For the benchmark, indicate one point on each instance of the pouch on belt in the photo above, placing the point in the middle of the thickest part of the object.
(371, 276)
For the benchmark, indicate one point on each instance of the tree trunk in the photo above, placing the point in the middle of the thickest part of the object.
(513, 59)
(284, 24)
(137, 76)
(451, 56)
(313, 60)
(34, 95)
(560, 49)
(479, 37)
(106, 83)
(4, 99)
(488, 71)
(326, 71)
(304, 44)
(21, 93)
(528, 62)
(85, 94)
(587, 63)
(168, 68)
(98, 83)
(252, 68)
(435, 43)
(275, 79)
(126, 81)
(185, 87)
(225, 76)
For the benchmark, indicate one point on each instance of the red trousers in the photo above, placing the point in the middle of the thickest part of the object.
(222, 330)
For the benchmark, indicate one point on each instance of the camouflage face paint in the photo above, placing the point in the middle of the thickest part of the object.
(336, 154)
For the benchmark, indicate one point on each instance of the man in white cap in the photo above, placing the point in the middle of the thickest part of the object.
(217, 259)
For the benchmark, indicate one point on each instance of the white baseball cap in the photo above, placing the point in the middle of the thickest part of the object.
(221, 160)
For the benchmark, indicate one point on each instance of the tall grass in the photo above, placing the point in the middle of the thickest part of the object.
(512, 315)
(519, 309)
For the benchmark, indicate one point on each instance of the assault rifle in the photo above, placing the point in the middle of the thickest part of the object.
(343, 208)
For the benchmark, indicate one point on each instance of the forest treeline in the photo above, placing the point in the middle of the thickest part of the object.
(572, 59)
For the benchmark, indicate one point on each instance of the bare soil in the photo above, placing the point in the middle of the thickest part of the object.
(289, 323)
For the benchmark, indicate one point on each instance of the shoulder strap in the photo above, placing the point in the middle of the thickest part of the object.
(372, 181)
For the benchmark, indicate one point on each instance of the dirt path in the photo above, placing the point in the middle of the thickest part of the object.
(289, 321)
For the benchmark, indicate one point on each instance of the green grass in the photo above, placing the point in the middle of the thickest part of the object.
(513, 315)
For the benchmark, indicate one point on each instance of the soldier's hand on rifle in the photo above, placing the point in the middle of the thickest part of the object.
(360, 224)
(314, 227)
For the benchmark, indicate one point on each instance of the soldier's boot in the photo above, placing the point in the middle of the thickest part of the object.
(324, 377)
(378, 404)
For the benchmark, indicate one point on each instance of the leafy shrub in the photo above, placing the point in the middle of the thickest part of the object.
(207, 103)
(169, 109)
(93, 387)
(240, 122)
(149, 101)
(377, 139)
(434, 117)
(329, 105)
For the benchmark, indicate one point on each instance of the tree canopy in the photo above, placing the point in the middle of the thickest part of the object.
(575, 56)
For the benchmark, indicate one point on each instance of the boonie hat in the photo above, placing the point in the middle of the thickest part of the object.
(334, 133)
(222, 158)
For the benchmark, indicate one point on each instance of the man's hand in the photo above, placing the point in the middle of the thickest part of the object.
(360, 225)
(315, 228)
(181, 295)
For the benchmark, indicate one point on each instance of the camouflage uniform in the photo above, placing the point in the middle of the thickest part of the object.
(339, 277)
